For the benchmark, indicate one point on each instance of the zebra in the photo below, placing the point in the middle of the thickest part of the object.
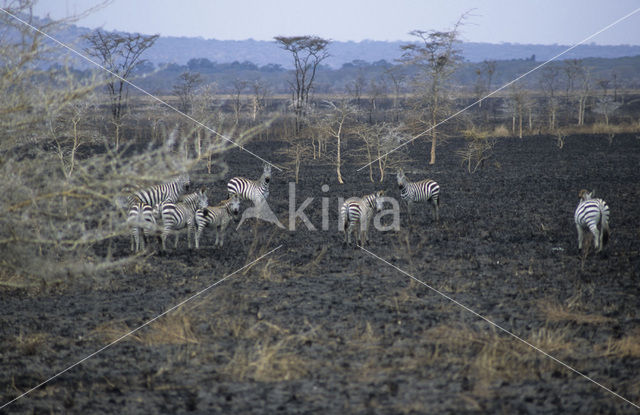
(165, 192)
(421, 191)
(219, 216)
(176, 216)
(590, 213)
(256, 191)
(141, 218)
(143, 200)
(357, 211)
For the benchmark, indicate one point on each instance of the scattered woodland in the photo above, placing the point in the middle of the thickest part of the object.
(317, 326)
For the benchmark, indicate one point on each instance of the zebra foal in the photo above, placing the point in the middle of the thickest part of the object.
(177, 216)
(421, 191)
(218, 216)
(592, 214)
(357, 212)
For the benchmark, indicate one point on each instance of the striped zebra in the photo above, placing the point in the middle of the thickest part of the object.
(590, 214)
(142, 220)
(165, 192)
(256, 191)
(218, 216)
(422, 191)
(176, 216)
(150, 198)
(357, 211)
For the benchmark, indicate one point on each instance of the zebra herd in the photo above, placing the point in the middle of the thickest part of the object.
(165, 207)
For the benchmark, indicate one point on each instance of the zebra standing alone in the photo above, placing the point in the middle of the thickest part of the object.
(422, 191)
(256, 191)
(590, 213)
(357, 211)
(144, 206)
(176, 216)
(219, 216)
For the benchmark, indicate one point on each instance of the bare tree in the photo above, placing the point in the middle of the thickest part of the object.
(518, 100)
(605, 103)
(356, 87)
(477, 150)
(120, 55)
(376, 92)
(185, 89)
(436, 58)
(578, 86)
(238, 86)
(397, 78)
(483, 85)
(549, 82)
(259, 99)
(308, 52)
(334, 125)
(380, 140)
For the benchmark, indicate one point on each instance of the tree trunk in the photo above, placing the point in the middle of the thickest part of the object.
(338, 162)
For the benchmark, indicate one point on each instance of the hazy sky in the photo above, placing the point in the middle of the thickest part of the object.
(543, 22)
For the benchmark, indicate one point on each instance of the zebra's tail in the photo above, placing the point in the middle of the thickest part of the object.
(344, 217)
(604, 226)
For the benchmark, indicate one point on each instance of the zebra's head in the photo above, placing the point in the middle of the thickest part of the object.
(203, 200)
(233, 207)
(266, 173)
(402, 179)
(585, 194)
(183, 182)
(379, 200)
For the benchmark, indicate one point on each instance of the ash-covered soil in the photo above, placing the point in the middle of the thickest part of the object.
(316, 327)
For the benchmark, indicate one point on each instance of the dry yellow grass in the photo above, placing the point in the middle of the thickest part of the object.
(627, 346)
(558, 313)
(32, 343)
(268, 361)
(173, 328)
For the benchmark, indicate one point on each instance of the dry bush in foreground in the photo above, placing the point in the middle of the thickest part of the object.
(63, 184)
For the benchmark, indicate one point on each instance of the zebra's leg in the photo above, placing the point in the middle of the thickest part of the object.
(197, 236)
(142, 235)
(163, 238)
(596, 236)
(409, 210)
(347, 234)
(175, 243)
(189, 232)
(580, 236)
(217, 242)
(363, 232)
(434, 202)
(221, 230)
(134, 242)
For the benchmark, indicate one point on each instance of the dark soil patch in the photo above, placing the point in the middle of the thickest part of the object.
(317, 327)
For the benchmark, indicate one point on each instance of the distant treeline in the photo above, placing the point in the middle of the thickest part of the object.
(363, 78)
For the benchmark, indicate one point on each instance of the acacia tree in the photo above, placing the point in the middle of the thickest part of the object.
(308, 52)
(435, 57)
(120, 55)
(185, 89)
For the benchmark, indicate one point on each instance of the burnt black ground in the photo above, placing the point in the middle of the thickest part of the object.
(319, 328)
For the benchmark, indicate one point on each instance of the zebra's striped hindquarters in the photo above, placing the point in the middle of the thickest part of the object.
(592, 214)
